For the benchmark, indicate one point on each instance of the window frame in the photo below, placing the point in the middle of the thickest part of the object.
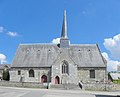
(92, 73)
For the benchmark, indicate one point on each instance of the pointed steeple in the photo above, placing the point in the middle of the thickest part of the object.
(64, 41)
(64, 27)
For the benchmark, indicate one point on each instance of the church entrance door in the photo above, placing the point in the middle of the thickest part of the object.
(44, 79)
(57, 80)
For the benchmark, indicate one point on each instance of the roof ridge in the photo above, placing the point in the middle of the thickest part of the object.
(80, 44)
(39, 44)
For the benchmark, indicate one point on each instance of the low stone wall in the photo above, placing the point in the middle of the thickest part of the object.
(117, 87)
(22, 84)
(99, 87)
(85, 86)
(65, 86)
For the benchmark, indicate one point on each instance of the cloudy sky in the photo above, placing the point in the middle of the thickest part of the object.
(40, 21)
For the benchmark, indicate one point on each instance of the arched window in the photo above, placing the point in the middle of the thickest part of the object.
(65, 67)
(31, 73)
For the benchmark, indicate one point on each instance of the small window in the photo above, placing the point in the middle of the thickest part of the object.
(19, 72)
(31, 73)
(92, 73)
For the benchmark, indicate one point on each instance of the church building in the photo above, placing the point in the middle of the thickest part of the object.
(58, 63)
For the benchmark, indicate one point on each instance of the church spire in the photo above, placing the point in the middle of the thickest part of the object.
(64, 27)
(64, 41)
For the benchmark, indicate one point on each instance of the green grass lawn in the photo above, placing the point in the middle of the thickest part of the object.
(116, 81)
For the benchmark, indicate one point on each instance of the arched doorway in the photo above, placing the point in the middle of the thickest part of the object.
(44, 79)
(57, 80)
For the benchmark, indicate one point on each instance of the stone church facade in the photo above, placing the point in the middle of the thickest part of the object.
(58, 63)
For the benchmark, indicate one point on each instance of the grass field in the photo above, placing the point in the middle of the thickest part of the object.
(116, 81)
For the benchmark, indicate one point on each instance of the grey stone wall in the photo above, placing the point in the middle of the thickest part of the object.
(86, 86)
(71, 77)
(22, 84)
(38, 72)
(99, 87)
(84, 74)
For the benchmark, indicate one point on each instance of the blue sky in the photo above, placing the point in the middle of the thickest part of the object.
(40, 21)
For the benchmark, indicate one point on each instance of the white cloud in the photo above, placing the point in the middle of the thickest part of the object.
(13, 34)
(2, 58)
(10, 33)
(105, 55)
(111, 64)
(56, 41)
(1, 29)
(113, 45)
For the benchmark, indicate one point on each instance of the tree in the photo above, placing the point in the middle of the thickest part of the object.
(6, 75)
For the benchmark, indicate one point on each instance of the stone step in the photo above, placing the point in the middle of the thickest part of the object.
(65, 86)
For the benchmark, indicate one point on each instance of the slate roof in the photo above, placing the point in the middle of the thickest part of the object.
(3, 66)
(115, 76)
(44, 55)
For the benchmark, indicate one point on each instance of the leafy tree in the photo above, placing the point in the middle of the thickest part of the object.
(6, 75)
